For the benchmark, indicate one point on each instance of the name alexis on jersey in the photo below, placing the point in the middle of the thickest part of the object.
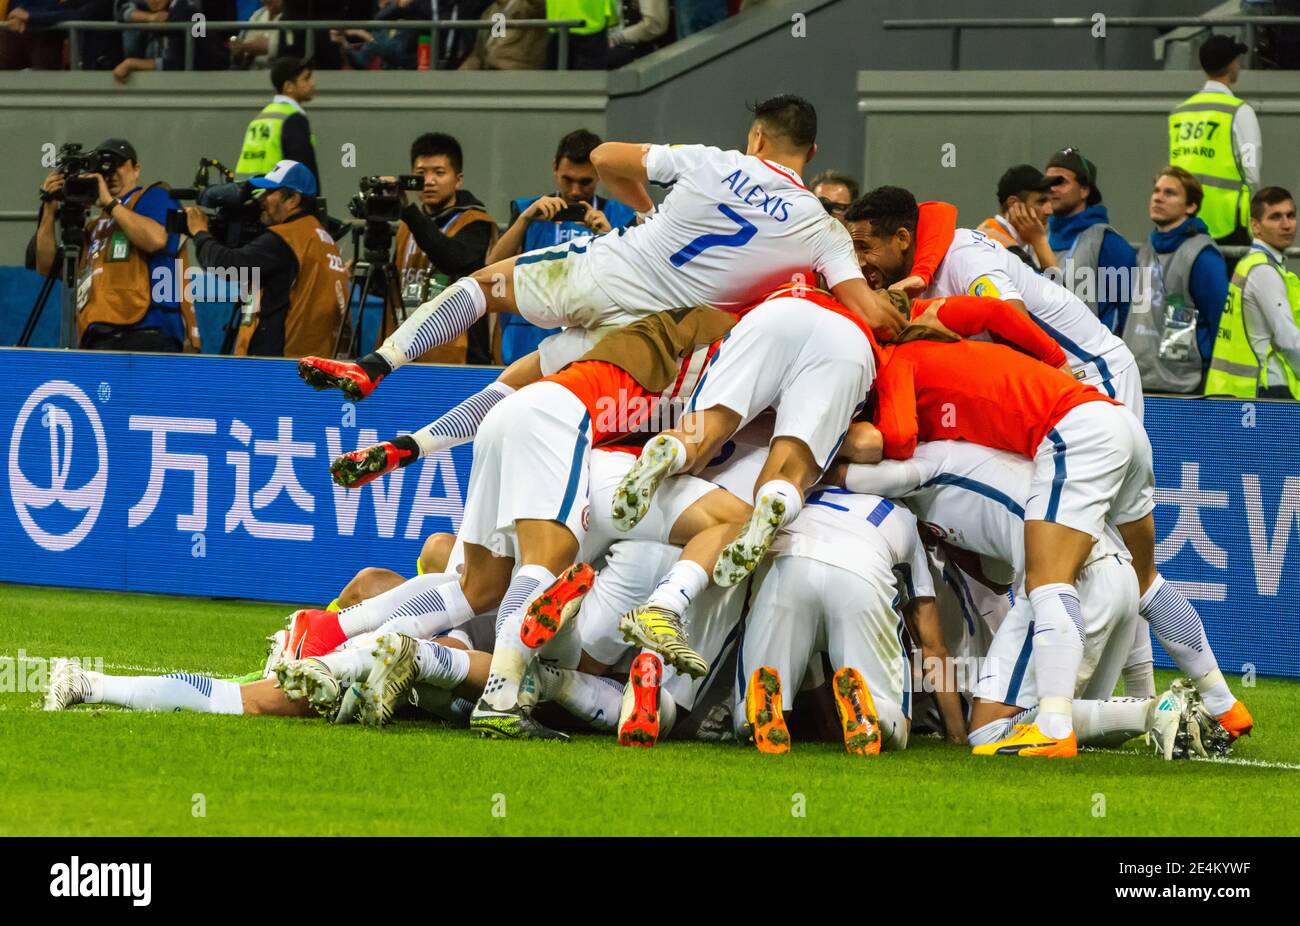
(746, 190)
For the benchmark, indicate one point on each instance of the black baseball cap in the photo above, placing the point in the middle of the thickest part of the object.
(287, 68)
(119, 148)
(1219, 51)
(1085, 171)
(1025, 178)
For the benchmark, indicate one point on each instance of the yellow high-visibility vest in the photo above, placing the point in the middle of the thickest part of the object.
(1200, 142)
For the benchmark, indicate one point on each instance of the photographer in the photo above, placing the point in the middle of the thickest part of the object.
(127, 251)
(302, 295)
(443, 238)
(536, 222)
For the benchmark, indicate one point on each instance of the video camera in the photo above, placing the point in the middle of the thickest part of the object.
(380, 199)
(72, 162)
(235, 218)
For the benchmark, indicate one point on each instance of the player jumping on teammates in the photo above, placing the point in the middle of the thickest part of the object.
(733, 227)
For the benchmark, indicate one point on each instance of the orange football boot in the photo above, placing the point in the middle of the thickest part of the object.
(766, 723)
(857, 713)
(1237, 721)
(557, 604)
(314, 633)
(638, 723)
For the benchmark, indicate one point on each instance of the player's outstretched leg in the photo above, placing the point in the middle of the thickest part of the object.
(742, 555)
(764, 720)
(857, 710)
(70, 684)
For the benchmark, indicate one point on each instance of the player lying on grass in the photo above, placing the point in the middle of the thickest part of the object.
(975, 497)
(732, 228)
(1092, 465)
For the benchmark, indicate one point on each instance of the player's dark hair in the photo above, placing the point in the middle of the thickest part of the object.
(435, 144)
(790, 117)
(887, 208)
(1268, 196)
(836, 177)
(577, 147)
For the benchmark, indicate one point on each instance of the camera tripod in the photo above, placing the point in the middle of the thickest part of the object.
(373, 271)
(71, 221)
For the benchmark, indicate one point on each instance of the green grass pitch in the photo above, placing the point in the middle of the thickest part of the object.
(104, 771)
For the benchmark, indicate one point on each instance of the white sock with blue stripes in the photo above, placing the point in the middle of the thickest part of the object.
(440, 665)
(461, 422)
(439, 321)
(422, 608)
(181, 691)
(1058, 650)
(682, 585)
(510, 658)
(593, 699)
(1179, 629)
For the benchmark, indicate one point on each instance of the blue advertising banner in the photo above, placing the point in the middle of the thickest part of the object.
(198, 475)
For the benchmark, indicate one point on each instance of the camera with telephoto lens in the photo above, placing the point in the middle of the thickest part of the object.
(72, 162)
(380, 199)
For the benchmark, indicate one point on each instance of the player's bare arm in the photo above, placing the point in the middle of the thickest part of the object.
(621, 167)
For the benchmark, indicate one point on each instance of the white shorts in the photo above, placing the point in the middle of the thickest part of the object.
(1126, 387)
(969, 615)
(813, 366)
(800, 607)
(530, 463)
(555, 288)
(628, 576)
(1093, 467)
(737, 465)
(1108, 601)
(608, 467)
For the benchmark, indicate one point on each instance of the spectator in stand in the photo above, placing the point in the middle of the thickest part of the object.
(1020, 226)
(572, 211)
(508, 49)
(644, 24)
(394, 48)
(165, 51)
(696, 15)
(255, 48)
(1175, 314)
(1257, 352)
(1085, 245)
(836, 190)
(588, 43)
(26, 42)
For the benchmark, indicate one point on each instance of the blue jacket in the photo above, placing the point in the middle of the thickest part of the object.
(1115, 252)
(1208, 282)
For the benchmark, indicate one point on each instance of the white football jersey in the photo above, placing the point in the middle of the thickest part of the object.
(855, 532)
(978, 266)
(732, 229)
(971, 496)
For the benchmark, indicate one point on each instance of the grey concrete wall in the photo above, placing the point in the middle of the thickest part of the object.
(999, 118)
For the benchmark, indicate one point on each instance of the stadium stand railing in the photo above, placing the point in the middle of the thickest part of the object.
(957, 26)
(433, 27)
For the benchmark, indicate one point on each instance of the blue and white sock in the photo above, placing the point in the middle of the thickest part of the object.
(461, 422)
(441, 666)
(1058, 651)
(510, 658)
(593, 699)
(1179, 629)
(417, 608)
(181, 691)
(439, 321)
